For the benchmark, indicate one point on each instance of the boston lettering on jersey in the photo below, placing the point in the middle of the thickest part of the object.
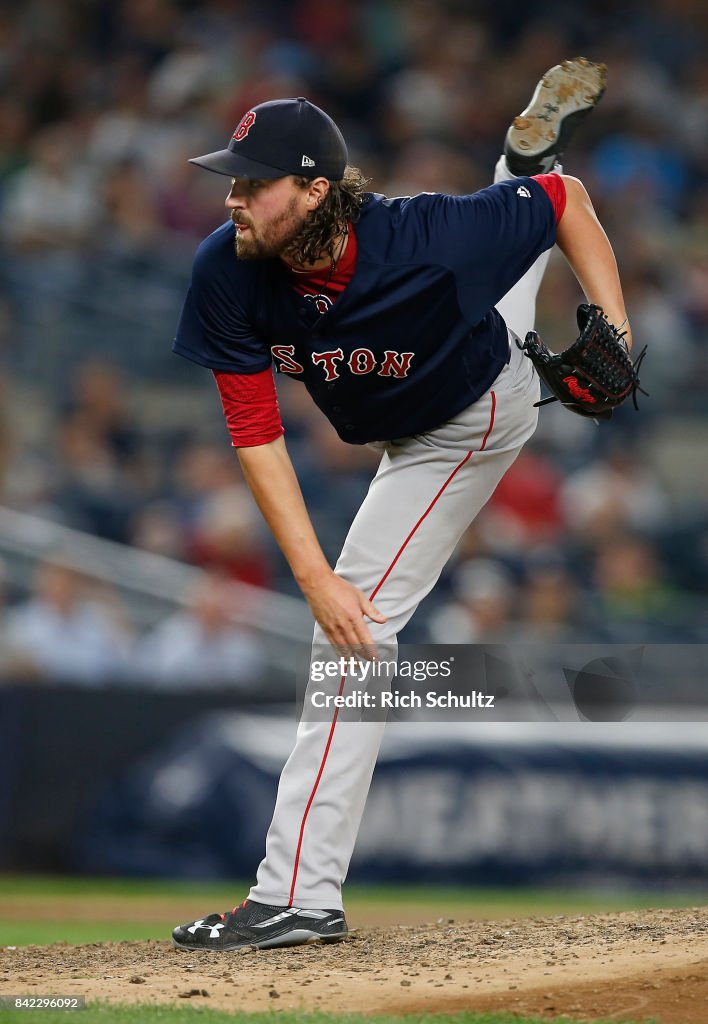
(414, 337)
(359, 362)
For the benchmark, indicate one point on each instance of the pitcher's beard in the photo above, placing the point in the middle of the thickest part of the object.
(276, 239)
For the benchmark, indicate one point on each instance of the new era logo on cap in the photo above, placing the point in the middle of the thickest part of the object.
(281, 137)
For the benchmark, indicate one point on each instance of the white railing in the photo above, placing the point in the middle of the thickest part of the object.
(152, 585)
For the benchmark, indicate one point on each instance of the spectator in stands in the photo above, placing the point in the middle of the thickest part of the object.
(226, 537)
(100, 396)
(90, 490)
(157, 528)
(550, 603)
(480, 614)
(222, 528)
(613, 495)
(633, 598)
(202, 646)
(69, 631)
(131, 217)
(525, 504)
(51, 204)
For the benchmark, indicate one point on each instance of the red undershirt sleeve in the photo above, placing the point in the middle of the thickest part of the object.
(554, 187)
(250, 406)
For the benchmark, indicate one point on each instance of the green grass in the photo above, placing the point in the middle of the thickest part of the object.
(70, 885)
(361, 895)
(97, 1013)
(168, 902)
(42, 933)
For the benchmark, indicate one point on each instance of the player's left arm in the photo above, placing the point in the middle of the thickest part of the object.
(583, 242)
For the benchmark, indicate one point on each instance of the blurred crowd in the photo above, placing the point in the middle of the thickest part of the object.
(74, 630)
(595, 532)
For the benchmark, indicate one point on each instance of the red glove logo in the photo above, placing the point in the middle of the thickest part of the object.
(582, 394)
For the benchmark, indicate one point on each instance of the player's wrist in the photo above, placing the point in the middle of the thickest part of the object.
(624, 332)
(312, 577)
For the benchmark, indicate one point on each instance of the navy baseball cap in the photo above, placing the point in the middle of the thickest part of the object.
(281, 137)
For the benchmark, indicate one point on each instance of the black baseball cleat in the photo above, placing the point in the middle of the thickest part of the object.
(563, 98)
(256, 924)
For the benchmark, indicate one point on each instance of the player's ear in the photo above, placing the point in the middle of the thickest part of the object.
(316, 191)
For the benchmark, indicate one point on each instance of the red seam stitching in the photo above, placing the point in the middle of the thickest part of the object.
(429, 509)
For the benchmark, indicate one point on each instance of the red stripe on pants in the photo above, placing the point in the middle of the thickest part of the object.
(374, 592)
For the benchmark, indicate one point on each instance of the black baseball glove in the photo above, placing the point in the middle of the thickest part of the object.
(595, 374)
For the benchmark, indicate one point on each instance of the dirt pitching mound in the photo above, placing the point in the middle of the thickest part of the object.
(624, 966)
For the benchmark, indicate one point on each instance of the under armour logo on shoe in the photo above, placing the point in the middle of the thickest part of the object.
(214, 928)
(523, 191)
(307, 161)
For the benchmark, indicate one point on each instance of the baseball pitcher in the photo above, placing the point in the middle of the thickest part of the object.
(409, 321)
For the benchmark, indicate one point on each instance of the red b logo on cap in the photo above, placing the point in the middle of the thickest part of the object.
(243, 129)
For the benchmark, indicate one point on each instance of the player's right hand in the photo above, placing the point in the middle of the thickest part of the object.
(340, 609)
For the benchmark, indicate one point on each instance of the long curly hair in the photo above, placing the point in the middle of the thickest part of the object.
(341, 205)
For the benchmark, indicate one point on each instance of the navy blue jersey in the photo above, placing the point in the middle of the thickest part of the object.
(413, 339)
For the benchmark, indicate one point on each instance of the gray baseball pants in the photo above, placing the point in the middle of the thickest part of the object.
(427, 491)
